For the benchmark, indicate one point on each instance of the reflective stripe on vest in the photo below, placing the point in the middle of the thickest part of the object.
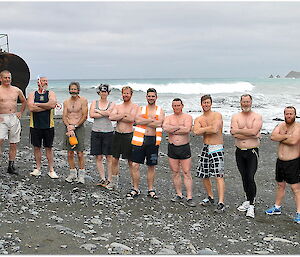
(139, 130)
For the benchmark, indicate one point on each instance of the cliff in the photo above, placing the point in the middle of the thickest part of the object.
(293, 74)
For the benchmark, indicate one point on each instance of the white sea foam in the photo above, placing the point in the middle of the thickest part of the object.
(192, 88)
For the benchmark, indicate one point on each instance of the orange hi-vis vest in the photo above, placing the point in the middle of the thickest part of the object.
(139, 130)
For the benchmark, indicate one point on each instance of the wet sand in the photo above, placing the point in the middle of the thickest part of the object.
(45, 216)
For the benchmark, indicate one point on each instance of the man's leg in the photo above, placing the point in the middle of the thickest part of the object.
(296, 191)
(100, 167)
(280, 192)
(81, 170)
(49, 155)
(115, 166)
(38, 156)
(221, 189)
(12, 151)
(71, 160)
(208, 187)
(175, 168)
(186, 165)
(135, 175)
(1, 143)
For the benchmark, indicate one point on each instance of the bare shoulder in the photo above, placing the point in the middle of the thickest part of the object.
(199, 118)
(66, 102)
(257, 115)
(188, 116)
(217, 115)
(83, 100)
(51, 92)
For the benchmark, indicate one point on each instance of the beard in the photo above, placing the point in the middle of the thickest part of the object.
(291, 121)
(246, 109)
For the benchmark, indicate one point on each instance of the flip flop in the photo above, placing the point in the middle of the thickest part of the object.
(133, 193)
(152, 194)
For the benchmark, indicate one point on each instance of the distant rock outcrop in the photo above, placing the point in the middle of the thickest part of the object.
(271, 76)
(293, 74)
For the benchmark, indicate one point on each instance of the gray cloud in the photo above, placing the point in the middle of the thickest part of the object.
(159, 39)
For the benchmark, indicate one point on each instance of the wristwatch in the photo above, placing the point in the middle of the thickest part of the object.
(75, 126)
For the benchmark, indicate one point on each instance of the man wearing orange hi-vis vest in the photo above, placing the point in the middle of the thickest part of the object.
(145, 142)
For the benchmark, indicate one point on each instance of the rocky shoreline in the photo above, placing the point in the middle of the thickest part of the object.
(44, 216)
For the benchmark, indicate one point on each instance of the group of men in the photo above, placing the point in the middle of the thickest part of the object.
(137, 137)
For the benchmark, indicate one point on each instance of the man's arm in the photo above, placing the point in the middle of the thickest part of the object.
(216, 125)
(84, 112)
(115, 115)
(290, 139)
(50, 104)
(251, 132)
(23, 101)
(65, 113)
(156, 123)
(31, 105)
(140, 118)
(187, 126)
(197, 129)
(168, 127)
(130, 117)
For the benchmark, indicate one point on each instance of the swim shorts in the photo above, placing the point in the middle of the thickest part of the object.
(288, 171)
(10, 127)
(38, 135)
(101, 143)
(180, 152)
(79, 132)
(211, 162)
(121, 145)
(148, 150)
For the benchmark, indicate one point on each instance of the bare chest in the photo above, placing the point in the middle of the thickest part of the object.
(74, 107)
(246, 122)
(8, 95)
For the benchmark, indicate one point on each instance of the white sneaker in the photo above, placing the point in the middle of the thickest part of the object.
(52, 174)
(35, 172)
(72, 176)
(244, 207)
(250, 211)
(80, 180)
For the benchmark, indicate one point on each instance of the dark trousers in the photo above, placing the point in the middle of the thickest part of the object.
(247, 161)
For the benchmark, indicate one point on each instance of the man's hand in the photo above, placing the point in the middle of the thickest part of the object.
(19, 114)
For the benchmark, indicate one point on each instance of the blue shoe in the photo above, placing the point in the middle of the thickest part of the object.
(297, 218)
(273, 210)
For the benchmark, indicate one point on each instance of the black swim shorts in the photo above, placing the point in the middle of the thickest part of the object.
(37, 136)
(288, 171)
(180, 152)
(121, 145)
(101, 143)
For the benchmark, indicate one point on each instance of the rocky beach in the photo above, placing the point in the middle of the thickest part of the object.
(46, 216)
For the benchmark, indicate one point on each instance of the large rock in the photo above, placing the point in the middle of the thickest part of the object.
(293, 74)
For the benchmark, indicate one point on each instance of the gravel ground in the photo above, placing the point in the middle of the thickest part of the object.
(44, 216)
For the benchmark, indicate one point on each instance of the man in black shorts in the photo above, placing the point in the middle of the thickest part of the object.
(121, 143)
(41, 104)
(146, 139)
(287, 134)
(178, 126)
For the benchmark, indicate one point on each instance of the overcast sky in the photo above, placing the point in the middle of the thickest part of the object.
(75, 40)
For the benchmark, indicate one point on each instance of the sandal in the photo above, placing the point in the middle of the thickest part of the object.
(102, 182)
(152, 194)
(133, 193)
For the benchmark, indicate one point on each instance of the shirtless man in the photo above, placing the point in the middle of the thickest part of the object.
(121, 144)
(74, 115)
(10, 127)
(146, 139)
(41, 104)
(245, 127)
(211, 162)
(288, 163)
(178, 126)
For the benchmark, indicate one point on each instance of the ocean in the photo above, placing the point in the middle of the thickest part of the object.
(270, 96)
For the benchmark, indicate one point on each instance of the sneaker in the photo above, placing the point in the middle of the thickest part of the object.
(190, 202)
(220, 208)
(52, 174)
(273, 210)
(80, 180)
(177, 199)
(12, 170)
(35, 172)
(297, 218)
(244, 207)
(250, 211)
(207, 201)
(72, 176)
